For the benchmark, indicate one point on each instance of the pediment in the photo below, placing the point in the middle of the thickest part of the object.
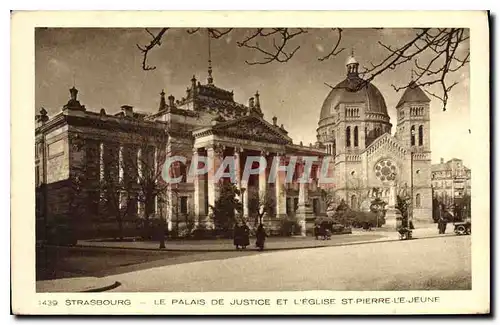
(252, 128)
(386, 143)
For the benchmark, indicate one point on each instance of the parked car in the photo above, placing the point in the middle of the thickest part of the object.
(462, 228)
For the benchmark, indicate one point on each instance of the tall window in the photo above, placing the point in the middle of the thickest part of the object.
(37, 175)
(354, 202)
(412, 135)
(183, 205)
(417, 201)
(355, 136)
(348, 136)
(421, 135)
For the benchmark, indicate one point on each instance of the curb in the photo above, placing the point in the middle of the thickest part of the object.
(381, 240)
(105, 288)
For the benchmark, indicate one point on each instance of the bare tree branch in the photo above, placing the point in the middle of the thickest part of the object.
(335, 51)
(156, 41)
(279, 53)
(433, 52)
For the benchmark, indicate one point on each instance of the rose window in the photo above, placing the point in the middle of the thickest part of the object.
(385, 170)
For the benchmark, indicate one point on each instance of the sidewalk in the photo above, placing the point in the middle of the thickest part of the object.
(83, 284)
(218, 245)
(272, 243)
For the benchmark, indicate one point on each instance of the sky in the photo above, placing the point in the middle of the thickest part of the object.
(105, 66)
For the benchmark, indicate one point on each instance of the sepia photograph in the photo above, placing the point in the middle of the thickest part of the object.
(250, 159)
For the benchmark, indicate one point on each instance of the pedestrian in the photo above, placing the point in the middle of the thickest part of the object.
(245, 236)
(317, 231)
(441, 225)
(445, 223)
(261, 237)
(237, 235)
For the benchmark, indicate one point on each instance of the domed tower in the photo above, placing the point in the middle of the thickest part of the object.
(413, 132)
(353, 114)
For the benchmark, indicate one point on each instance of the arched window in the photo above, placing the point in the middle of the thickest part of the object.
(355, 136)
(421, 135)
(348, 136)
(412, 135)
(354, 202)
(417, 201)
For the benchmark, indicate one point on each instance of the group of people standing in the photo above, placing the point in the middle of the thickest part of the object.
(241, 238)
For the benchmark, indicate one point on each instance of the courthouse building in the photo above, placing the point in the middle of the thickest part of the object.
(78, 150)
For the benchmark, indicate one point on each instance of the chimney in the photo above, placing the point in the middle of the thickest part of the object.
(275, 121)
(171, 101)
(128, 110)
(251, 102)
(442, 160)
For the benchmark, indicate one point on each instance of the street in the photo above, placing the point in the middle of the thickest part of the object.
(100, 259)
(442, 263)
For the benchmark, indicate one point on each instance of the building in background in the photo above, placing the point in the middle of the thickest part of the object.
(451, 188)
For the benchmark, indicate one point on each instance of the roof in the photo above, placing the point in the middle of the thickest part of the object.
(354, 90)
(440, 167)
(413, 93)
(351, 60)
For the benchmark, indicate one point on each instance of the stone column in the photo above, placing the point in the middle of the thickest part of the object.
(140, 204)
(102, 194)
(155, 167)
(263, 195)
(120, 175)
(301, 209)
(280, 190)
(237, 170)
(101, 161)
(244, 199)
(199, 191)
(214, 154)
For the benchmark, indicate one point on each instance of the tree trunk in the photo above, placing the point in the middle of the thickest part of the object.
(120, 229)
(162, 234)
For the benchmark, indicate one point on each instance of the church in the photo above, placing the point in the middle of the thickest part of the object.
(369, 159)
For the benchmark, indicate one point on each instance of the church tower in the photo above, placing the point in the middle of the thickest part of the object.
(413, 132)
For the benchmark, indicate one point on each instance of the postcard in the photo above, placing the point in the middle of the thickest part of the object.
(251, 163)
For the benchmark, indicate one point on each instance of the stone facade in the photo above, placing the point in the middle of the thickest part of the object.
(89, 162)
(451, 183)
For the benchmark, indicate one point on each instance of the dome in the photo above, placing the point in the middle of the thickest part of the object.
(347, 92)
